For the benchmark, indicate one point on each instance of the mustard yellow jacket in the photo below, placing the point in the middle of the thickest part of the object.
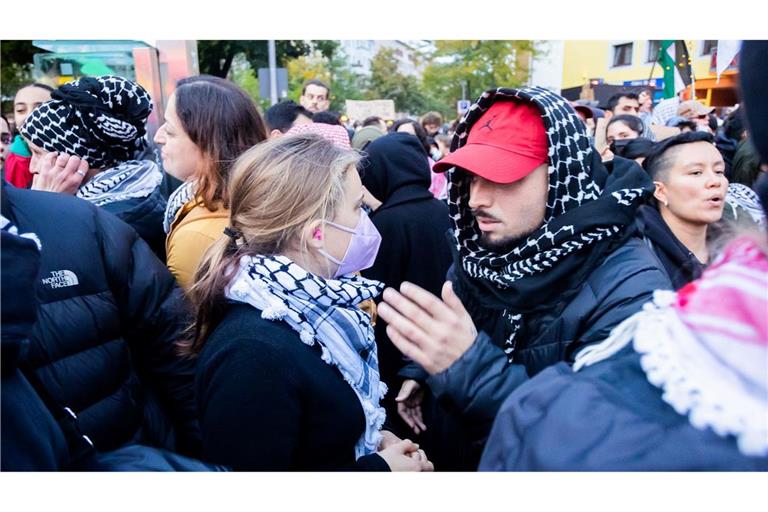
(193, 231)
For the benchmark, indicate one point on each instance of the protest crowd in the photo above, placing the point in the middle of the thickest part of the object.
(537, 285)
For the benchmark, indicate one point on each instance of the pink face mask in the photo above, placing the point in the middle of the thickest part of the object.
(362, 249)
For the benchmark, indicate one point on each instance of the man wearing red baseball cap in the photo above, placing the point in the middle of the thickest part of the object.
(505, 151)
(546, 260)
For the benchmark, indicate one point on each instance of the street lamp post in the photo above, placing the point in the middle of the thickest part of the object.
(272, 72)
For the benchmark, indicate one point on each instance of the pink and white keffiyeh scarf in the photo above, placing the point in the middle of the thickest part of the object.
(706, 347)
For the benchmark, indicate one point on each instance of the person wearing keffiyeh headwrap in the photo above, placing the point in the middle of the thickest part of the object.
(680, 386)
(545, 261)
(85, 141)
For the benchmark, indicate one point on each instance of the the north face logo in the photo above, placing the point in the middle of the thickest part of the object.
(61, 279)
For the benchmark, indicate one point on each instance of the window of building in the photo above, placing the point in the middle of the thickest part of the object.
(622, 55)
(653, 51)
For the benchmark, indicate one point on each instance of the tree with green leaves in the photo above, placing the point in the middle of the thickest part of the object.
(480, 65)
(216, 57)
(16, 59)
(387, 82)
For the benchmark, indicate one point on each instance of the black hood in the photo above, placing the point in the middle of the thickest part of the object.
(395, 170)
(679, 262)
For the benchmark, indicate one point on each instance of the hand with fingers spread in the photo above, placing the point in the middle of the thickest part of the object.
(60, 173)
(409, 405)
(432, 332)
(405, 455)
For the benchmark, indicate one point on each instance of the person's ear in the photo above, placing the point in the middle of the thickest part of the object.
(315, 234)
(275, 134)
(661, 193)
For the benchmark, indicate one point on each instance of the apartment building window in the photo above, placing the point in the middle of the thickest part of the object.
(707, 47)
(653, 51)
(622, 55)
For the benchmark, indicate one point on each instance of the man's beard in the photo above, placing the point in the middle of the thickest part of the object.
(505, 245)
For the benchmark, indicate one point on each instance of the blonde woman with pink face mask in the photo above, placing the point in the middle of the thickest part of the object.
(287, 371)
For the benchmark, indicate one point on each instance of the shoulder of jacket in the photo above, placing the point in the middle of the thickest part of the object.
(209, 224)
(627, 259)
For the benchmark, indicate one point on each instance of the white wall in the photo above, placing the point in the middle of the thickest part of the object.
(547, 69)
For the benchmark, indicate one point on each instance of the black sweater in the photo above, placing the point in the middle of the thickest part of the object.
(268, 402)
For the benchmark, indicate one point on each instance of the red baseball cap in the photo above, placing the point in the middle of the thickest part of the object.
(505, 145)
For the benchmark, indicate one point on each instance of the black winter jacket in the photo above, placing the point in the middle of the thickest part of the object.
(607, 417)
(109, 315)
(145, 215)
(478, 382)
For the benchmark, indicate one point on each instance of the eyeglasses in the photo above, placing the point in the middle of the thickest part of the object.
(6, 138)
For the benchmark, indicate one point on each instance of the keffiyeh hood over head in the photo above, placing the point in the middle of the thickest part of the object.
(588, 213)
(102, 119)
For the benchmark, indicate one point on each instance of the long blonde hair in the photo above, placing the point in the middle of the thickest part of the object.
(277, 188)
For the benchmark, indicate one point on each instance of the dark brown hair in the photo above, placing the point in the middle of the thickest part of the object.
(222, 120)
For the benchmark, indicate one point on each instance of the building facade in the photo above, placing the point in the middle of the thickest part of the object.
(631, 62)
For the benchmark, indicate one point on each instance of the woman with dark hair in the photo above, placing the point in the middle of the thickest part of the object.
(209, 122)
(86, 142)
(623, 127)
(5, 138)
(414, 128)
(27, 99)
(689, 175)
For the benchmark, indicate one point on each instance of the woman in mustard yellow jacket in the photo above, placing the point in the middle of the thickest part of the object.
(209, 122)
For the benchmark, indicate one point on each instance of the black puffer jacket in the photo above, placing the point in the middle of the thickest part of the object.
(607, 417)
(145, 215)
(482, 378)
(108, 318)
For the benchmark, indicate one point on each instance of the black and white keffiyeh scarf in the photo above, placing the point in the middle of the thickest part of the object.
(176, 201)
(131, 179)
(102, 119)
(587, 215)
(742, 198)
(323, 311)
